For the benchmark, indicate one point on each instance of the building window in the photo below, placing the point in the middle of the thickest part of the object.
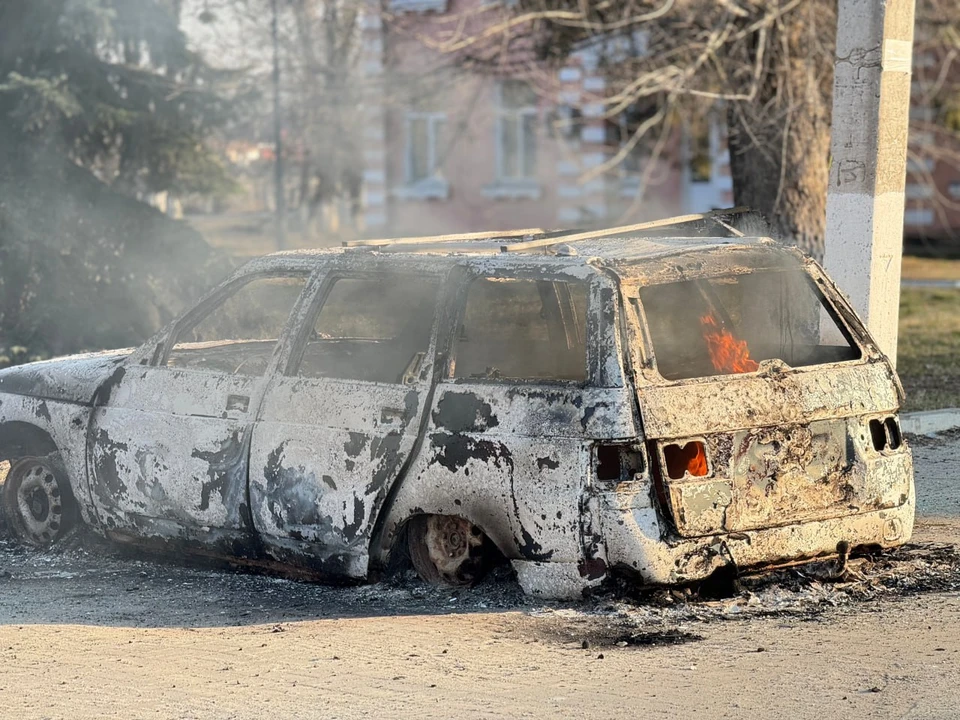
(620, 132)
(424, 130)
(516, 132)
(423, 179)
(919, 191)
(917, 165)
(418, 6)
(700, 162)
(918, 216)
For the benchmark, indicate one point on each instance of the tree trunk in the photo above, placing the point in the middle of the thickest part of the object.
(780, 142)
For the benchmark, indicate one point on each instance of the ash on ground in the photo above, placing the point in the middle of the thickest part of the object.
(85, 580)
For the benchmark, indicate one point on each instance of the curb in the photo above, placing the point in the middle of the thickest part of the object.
(930, 422)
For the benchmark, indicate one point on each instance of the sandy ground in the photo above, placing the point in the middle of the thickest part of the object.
(86, 632)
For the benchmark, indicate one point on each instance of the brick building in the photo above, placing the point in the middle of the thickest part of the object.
(447, 150)
(933, 165)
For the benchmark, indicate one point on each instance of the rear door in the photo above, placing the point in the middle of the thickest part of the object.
(522, 400)
(759, 395)
(336, 429)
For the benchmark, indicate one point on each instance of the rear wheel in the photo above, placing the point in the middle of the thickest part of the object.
(37, 502)
(447, 550)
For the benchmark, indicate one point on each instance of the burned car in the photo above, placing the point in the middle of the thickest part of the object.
(652, 408)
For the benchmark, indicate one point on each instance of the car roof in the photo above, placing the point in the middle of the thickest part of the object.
(623, 254)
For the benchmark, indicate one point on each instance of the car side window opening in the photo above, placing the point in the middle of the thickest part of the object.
(375, 330)
(523, 330)
(239, 335)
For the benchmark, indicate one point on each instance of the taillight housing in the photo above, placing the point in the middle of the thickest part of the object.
(687, 458)
(615, 463)
(885, 433)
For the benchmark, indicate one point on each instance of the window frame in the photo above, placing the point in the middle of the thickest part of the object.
(590, 330)
(316, 303)
(515, 115)
(207, 306)
(432, 118)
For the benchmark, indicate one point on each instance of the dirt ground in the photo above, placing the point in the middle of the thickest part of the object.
(86, 631)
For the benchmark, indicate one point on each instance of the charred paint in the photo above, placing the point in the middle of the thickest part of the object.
(355, 445)
(102, 396)
(547, 462)
(454, 452)
(589, 412)
(226, 472)
(43, 412)
(110, 486)
(289, 499)
(547, 397)
(350, 530)
(387, 458)
(464, 412)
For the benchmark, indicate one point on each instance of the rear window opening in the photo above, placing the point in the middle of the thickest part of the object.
(523, 330)
(729, 325)
(690, 458)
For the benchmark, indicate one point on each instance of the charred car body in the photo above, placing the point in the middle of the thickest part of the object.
(651, 407)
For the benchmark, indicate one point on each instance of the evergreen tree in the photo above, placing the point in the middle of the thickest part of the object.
(101, 102)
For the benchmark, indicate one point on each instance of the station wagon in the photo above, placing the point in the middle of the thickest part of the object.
(586, 406)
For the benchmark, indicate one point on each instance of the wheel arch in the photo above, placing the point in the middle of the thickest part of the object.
(396, 550)
(18, 438)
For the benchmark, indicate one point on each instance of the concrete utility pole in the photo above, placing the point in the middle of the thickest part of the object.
(871, 111)
(278, 180)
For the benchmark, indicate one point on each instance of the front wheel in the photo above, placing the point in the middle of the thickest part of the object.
(447, 550)
(37, 501)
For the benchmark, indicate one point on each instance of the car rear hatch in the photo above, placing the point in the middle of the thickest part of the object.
(761, 399)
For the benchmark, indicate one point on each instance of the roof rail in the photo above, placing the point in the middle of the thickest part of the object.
(459, 237)
(626, 229)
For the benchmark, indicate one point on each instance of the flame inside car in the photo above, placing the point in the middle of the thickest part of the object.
(728, 354)
(697, 465)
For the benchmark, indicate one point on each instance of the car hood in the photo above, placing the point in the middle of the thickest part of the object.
(74, 378)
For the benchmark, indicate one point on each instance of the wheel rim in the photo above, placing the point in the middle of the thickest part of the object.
(38, 503)
(446, 549)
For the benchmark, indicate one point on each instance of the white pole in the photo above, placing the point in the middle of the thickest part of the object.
(871, 112)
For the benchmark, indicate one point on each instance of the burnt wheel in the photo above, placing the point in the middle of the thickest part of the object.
(36, 501)
(447, 550)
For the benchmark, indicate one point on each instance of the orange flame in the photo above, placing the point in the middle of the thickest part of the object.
(727, 354)
(697, 464)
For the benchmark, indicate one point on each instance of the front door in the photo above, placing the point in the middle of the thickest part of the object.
(168, 445)
(335, 431)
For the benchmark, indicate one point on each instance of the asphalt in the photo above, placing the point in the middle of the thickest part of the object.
(936, 463)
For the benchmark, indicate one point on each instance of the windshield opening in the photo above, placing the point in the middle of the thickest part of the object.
(729, 325)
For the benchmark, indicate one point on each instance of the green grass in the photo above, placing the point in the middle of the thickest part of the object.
(928, 357)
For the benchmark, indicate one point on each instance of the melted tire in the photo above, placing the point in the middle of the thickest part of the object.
(447, 550)
(36, 501)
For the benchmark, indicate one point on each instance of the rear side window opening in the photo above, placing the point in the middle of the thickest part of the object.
(728, 325)
(521, 329)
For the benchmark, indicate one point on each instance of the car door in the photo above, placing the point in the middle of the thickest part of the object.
(335, 431)
(168, 442)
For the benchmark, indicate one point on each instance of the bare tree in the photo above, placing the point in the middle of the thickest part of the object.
(320, 90)
(766, 65)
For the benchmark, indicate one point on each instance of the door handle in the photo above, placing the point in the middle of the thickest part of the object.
(389, 414)
(238, 403)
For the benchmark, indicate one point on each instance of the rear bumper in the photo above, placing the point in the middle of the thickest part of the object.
(635, 541)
